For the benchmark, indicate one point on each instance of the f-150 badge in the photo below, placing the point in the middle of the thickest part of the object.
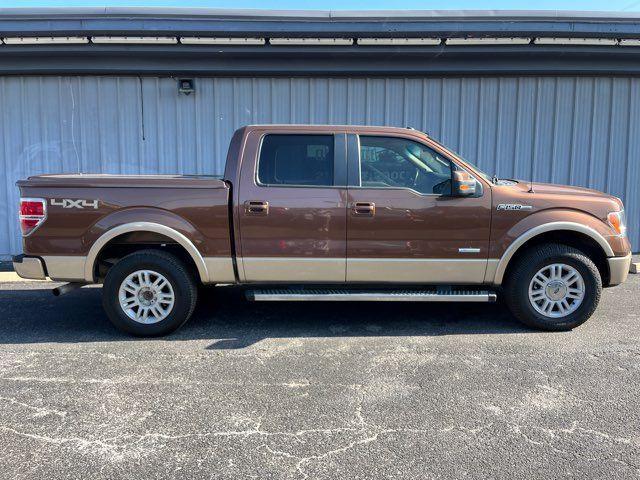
(69, 203)
(513, 206)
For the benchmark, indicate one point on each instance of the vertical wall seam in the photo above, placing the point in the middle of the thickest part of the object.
(60, 122)
(140, 142)
(442, 111)
(311, 96)
(632, 208)
(517, 132)
(119, 126)
(628, 148)
(609, 136)
(497, 137)
(555, 134)
(423, 112)
(534, 146)
(10, 219)
(385, 93)
(101, 160)
(197, 102)
(159, 134)
(254, 101)
(461, 110)
(572, 131)
(479, 117)
(405, 107)
(591, 130)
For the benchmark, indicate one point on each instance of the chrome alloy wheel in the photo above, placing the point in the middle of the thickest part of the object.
(146, 296)
(556, 290)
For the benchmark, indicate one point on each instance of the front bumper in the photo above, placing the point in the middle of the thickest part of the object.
(29, 267)
(618, 269)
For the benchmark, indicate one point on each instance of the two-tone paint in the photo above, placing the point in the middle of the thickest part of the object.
(238, 230)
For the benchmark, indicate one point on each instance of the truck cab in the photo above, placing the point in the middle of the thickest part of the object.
(339, 213)
(373, 206)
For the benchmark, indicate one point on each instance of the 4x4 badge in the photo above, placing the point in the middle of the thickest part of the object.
(69, 203)
(513, 206)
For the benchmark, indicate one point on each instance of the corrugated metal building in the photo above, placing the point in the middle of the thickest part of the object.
(555, 98)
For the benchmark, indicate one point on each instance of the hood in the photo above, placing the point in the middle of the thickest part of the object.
(555, 189)
(549, 194)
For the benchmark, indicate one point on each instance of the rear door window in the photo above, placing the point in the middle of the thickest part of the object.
(302, 160)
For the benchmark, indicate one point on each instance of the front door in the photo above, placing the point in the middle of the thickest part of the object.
(292, 209)
(403, 225)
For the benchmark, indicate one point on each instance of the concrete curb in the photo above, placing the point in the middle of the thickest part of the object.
(12, 277)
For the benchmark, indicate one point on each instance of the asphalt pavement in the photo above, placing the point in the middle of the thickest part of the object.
(319, 391)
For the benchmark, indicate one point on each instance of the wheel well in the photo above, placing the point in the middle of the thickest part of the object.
(577, 240)
(127, 243)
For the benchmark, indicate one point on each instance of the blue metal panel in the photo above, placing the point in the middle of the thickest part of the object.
(578, 130)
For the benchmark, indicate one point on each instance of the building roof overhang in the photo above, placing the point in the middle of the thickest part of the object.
(336, 42)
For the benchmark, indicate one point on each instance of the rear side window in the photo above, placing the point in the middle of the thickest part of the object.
(296, 160)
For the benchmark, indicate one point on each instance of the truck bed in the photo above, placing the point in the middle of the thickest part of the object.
(82, 208)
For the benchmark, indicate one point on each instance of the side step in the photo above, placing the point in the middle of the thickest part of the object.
(344, 295)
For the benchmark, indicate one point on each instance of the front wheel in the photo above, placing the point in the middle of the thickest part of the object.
(553, 287)
(149, 293)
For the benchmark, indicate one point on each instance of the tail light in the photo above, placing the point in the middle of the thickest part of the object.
(33, 212)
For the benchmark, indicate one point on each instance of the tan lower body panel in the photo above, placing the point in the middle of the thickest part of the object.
(65, 267)
(330, 270)
(364, 270)
(220, 269)
(293, 269)
(71, 268)
(618, 269)
(30, 268)
(492, 268)
(418, 271)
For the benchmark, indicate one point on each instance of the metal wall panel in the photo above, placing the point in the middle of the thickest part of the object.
(583, 131)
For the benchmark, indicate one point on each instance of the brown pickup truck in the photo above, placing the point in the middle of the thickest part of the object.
(325, 213)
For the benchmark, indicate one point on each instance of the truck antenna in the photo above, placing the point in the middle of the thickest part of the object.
(531, 178)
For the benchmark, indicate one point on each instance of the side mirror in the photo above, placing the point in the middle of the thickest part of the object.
(464, 185)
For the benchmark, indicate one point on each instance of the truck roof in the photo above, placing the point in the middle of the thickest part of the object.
(333, 128)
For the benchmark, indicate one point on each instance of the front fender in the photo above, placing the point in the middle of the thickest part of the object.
(542, 222)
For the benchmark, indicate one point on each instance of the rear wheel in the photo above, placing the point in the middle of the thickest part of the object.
(553, 287)
(149, 293)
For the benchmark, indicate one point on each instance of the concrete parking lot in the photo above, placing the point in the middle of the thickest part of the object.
(316, 391)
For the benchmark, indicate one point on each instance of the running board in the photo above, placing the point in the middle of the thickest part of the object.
(338, 295)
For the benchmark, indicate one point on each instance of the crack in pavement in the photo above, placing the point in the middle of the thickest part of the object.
(40, 411)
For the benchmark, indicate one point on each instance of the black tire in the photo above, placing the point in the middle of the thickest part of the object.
(516, 288)
(182, 282)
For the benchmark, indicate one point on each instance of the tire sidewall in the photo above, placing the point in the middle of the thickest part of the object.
(573, 319)
(179, 282)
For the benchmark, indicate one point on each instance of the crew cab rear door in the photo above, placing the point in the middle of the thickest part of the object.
(292, 207)
(403, 225)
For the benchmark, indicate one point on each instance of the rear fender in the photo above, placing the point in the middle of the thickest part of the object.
(156, 221)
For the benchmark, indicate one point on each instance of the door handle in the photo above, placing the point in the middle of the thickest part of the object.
(363, 209)
(256, 207)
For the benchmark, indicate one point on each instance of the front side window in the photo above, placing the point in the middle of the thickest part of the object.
(296, 160)
(395, 162)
